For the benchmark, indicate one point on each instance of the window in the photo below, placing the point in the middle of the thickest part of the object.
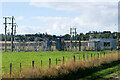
(106, 44)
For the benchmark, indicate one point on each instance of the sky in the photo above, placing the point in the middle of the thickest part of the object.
(56, 17)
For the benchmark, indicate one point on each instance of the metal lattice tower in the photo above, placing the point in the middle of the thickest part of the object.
(73, 34)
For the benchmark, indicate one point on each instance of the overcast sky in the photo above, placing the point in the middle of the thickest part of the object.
(56, 17)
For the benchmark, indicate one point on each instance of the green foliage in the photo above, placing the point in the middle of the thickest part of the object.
(86, 36)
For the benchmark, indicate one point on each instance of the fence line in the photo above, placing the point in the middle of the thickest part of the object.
(63, 61)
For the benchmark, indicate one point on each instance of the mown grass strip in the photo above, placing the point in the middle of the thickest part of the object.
(104, 74)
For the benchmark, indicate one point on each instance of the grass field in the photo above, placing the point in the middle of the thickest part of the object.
(104, 74)
(26, 58)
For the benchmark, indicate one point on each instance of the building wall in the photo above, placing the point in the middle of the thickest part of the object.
(100, 44)
(41, 46)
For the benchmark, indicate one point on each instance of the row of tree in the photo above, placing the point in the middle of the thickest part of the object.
(81, 36)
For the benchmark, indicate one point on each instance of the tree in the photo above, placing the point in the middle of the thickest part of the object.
(67, 37)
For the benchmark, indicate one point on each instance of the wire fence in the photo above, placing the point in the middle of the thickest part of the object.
(64, 60)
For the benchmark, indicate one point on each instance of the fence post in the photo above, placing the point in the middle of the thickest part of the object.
(41, 64)
(104, 53)
(56, 61)
(33, 64)
(91, 55)
(83, 56)
(101, 55)
(10, 69)
(20, 67)
(87, 55)
(79, 57)
(74, 58)
(49, 62)
(98, 55)
(63, 59)
(94, 55)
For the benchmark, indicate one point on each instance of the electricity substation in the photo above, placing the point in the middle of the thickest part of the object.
(44, 44)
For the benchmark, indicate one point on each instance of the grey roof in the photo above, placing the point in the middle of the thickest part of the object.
(102, 39)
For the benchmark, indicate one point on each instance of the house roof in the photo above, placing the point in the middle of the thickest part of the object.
(102, 39)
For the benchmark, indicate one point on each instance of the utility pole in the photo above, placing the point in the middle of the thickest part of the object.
(6, 31)
(70, 39)
(75, 39)
(12, 34)
(5, 34)
(79, 43)
(15, 44)
(15, 30)
(11, 31)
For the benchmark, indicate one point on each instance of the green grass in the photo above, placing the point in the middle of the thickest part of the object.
(26, 58)
(104, 74)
